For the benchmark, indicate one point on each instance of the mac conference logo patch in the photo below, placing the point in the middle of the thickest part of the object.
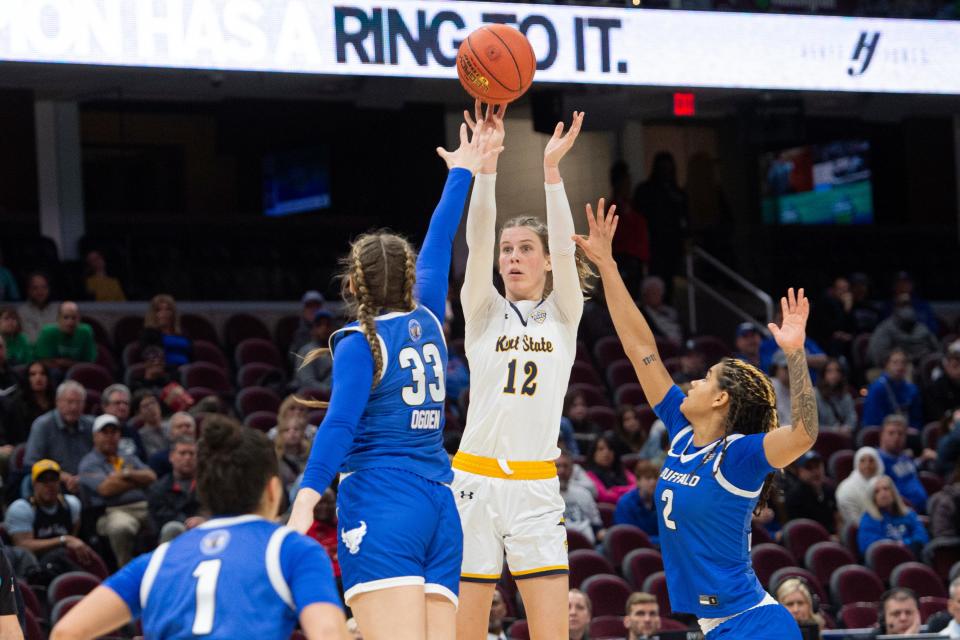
(539, 316)
(415, 330)
(215, 542)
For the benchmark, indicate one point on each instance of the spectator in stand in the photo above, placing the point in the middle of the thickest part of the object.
(664, 320)
(34, 399)
(11, 426)
(116, 401)
(866, 310)
(37, 311)
(498, 611)
(146, 410)
(892, 393)
(324, 528)
(182, 425)
(9, 291)
(154, 376)
(747, 342)
(312, 301)
(952, 615)
(948, 447)
(811, 497)
(637, 506)
(664, 205)
(693, 366)
(780, 379)
(292, 448)
(100, 286)
(606, 470)
(835, 405)
(63, 434)
(945, 508)
(580, 512)
(853, 492)
(292, 409)
(458, 370)
(900, 613)
(903, 292)
(172, 500)
(655, 448)
(836, 323)
(642, 620)
(316, 374)
(628, 435)
(580, 612)
(631, 246)
(795, 595)
(900, 466)
(575, 412)
(47, 523)
(161, 327)
(19, 349)
(888, 518)
(816, 358)
(942, 397)
(117, 486)
(67, 342)
(902, 331)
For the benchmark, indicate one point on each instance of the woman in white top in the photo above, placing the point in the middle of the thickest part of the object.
(520, 347)
(853, 493)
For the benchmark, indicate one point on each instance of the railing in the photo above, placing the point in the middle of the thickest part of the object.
(695, 285)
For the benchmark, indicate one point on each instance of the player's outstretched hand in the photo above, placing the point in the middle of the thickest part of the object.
(792, 332)
(562, 142)
(488, 119)
(599, 244)
(472, 153)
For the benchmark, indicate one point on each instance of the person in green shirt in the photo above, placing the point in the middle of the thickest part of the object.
(19, 349)
(67, 342)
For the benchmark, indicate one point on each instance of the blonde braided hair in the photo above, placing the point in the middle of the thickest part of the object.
(382, 267)
(584, 268)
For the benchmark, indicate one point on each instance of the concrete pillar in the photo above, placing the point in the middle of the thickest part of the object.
(60, 174)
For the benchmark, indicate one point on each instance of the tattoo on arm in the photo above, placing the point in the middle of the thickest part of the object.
(803, 402)
(650, 359)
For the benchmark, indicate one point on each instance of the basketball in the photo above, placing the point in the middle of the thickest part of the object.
(496, 64)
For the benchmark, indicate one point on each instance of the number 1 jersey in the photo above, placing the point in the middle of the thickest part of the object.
(239, 577)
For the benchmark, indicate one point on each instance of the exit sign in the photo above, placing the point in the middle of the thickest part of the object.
(684, 104)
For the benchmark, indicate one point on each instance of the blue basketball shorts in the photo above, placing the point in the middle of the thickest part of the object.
(398, 529)
(769, 622)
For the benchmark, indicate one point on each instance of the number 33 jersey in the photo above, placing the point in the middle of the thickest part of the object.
(239, 577)
(705, 502)
(520, 357)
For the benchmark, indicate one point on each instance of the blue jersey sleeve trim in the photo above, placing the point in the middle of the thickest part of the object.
(745, 465)
(433, 263)
(352, 378)
(274, 569)
(340, 334)
(669, 411)
(128, 582)
(307, 572)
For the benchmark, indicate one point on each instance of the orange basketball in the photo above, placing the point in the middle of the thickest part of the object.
(496, 64)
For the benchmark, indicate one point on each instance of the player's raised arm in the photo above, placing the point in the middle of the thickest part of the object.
(566, 279)
(786, 444)
(632, 328)
(478, 290)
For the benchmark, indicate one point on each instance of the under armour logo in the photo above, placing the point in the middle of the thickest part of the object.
(466, 494)
(506, 316)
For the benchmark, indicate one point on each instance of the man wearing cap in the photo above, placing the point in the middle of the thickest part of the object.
(173, 500)
(810, 497)
(943, 396)
(47, 521)
(312, 301)
(902, 330)
(316, 374)
(68, 341)
(116, 485)
(62, 434)
(748, 343)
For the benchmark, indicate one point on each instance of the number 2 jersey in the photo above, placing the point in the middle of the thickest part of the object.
(705, 502)
(236, 577)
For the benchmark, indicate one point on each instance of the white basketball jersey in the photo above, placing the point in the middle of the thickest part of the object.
(520, 357)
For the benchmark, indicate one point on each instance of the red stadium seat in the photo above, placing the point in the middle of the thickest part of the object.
(801, 534)
(250, 375)
(92, 563)
(603, 417)
(917, 576)
(931, 482)
(241, 326)
(669, 624)
(767, 558)
(30, 600)
(71, 583)
(829, 442)
(608, 350)
(91, 405)
(261, 420)
(824, 558)
(780, 575)
(595, 396)
(667, 348)
(607, 593)
(283, 332)
(90, 375)
(759, 534)
(508, 602)
(583, 354)
(584, 564)
(883, 556)
(646, 415)
(848, 537)
(854, 583)
(840, 465)
(131, 354)
(197, 327)
(941, 554)
(620, 373)
(606, 513)
(621, 539)
(576, 540)
(62, 607)
(639, 564)
(204, 351)
(712, 348)
(199, 393)
(858, 615)
(256, 399)
(931, 434)
(33, 629)
(100, 335)
(126, 330)
(930, 605)
(858, 349)
(607, 627)
(630, 393)
(204, 374)
(258, 350)
(656, 585)
(868, 436)
(584, 372)
(519, 631)
(105, 359)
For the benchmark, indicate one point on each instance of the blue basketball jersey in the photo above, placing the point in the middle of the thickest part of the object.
(402, 424)
(705, 502)
(239, 577)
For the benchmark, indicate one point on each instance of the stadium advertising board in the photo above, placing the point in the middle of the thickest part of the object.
(419, 38)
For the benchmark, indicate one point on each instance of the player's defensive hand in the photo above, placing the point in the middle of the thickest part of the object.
(562, 142)
(599, 244)
(792, 332)
(472, 153)
(488, 119)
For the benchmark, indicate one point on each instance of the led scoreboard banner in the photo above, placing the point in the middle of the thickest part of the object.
(419, 38)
